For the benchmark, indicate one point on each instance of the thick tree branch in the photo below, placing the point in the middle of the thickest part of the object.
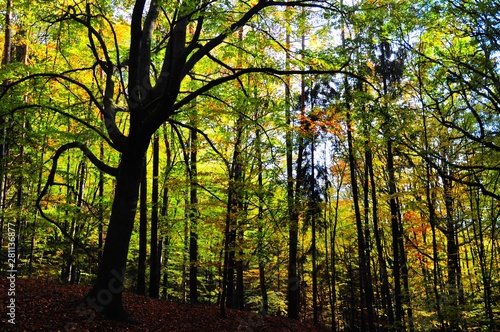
(113, 171)
(135, 51)
(145, 57)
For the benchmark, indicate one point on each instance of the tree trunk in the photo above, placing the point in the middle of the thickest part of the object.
(106, 293)
(240, 286)
(452, 255)
(377, 233)
(165, 243)
(143, 235)
(313, 243)
(293, 282)
(398, 305)
(333, 240)
(7, 49)
(38, 191)
(100, 185)
(433, 223)
(365, 287)
(479, 239)
(260, 220)
(405, 280)
(193, 216)
(155, 264)
(6, 58)
(232, 234)
(185, 252)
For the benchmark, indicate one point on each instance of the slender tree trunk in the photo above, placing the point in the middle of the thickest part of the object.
(38, 191)
(7, 49)
(3, 179)
(405, 278)
(333, 254)
(260, 221)
(433, 223)
(313, 242)
(366, 288)
(20, 220)
(143, 236)
(155, 264)
(234, 213)
(77, 226)
(227, 294)
(100, 185)
(185, 252)
(6, 58)
(240, 286)
(398, 295)
(165, 243)
(377, 233)
(293, 282)
(452, 255)
(193, 215)
(477, 228)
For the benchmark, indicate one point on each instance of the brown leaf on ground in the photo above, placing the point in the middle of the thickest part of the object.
(45, 305)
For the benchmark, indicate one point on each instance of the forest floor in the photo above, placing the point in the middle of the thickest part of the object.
(45, 305)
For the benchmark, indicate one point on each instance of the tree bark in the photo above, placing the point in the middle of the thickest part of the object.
(377, 233)
(398, 305)
(452, 254)
(143, 236)
(165, 243)
(7, 49)
(293, 282)
(365, 287)
(106, 294)
(260, 220)
(313, 243)
(155, 264)
(193, 216)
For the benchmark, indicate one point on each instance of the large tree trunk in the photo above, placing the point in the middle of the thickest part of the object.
(106, 294)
